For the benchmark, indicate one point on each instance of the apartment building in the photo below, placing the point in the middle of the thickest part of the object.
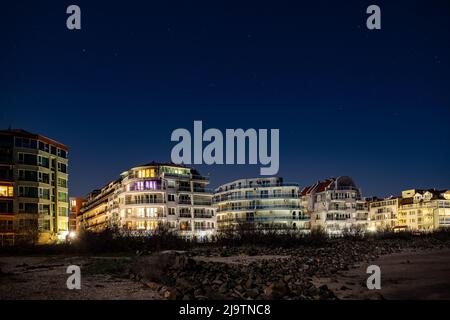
(33, 188)
(414, 210)
(151, 195)
(424, 210)
(335, 205)
(261, 202)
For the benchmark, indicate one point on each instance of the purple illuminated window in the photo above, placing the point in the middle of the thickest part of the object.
(145, 185)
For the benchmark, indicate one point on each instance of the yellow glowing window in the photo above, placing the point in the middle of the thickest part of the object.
(146, 173)
(6, 191)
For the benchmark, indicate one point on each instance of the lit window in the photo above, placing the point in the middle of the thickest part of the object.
(146, 173)
(6, 191)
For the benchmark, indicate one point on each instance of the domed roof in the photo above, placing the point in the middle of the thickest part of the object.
(345, 181)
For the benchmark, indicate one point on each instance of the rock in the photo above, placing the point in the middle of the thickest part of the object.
(251, 251)
(287, 278)
(223, 288)
(198, 292)
(239, 288)
(252, 293)
(153, 285)
(181, 284)
(155, 267)
(276, 290)
(325, 293)
(169, 294)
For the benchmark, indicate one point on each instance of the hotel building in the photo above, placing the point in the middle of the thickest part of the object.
(415, 210)
(261, 202)
(424, 210)
(33, 188)
(148, 196)
(335, 205)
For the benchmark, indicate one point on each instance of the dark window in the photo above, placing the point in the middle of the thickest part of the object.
(6, 173)
(62, 167)
(6, 206)
(28, 192)
(28, 207)
(43, 146)
(26, 158)
(62, 153)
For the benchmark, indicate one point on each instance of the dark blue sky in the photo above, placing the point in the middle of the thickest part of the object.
(374, 105)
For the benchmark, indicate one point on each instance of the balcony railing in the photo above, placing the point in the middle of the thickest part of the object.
(144, 201)
(176, 175)
(203, 228)
(199, 177)
(265, 219)
(203, 190)
(257, 197)
(246, 186)
(202, 216)
(135, 217)
(184, 201)
(185, 215)
(202, 202)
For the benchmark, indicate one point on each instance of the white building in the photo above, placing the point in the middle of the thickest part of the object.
(335, 205)
(148, 196)
(383, 214)
(261, 202)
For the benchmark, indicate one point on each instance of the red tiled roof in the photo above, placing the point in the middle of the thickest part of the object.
(323, 185)
(319, 186)
(305, 190)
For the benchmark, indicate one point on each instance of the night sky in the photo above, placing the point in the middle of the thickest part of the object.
(374, 105)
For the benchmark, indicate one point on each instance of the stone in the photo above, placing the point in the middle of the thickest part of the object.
(252, 293)
(276, 290)
(153, 285)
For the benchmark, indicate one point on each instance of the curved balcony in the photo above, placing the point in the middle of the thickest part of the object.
(265, 219)
(259, 207)
(149, 201)
(258, 197)
(256, 186)
(202, 202)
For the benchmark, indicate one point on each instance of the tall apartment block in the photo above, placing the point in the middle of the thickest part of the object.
(335, 205)
(148, 196)
(415, 210)
(33, 188)
(262, 202)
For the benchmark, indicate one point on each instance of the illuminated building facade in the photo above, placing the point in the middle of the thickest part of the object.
(149, 196)
(424, 210)
(262, 202)
(415, 210)
(383, 214)
(33, 188)
(335, 205)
